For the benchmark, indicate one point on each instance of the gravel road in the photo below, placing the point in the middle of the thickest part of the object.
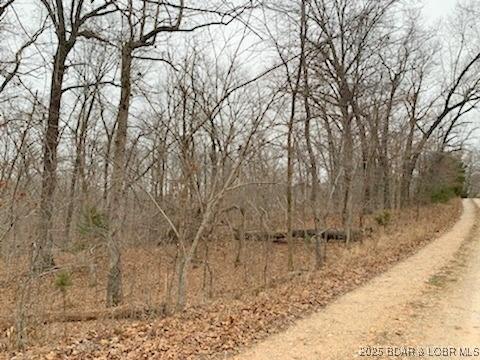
(427, 306)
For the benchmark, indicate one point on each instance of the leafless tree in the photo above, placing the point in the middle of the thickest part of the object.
(69, 25)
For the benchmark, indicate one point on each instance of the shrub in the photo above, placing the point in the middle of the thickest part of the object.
(441, 178)
(442, 195)
(63, 281)
(93, 222)
(383, 218)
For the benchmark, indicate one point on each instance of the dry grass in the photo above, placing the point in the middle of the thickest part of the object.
(259, 296)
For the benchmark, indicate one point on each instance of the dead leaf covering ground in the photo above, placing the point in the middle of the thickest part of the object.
(227, 324)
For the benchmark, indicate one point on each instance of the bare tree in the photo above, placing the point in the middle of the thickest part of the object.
(69, 25)
(141, 34)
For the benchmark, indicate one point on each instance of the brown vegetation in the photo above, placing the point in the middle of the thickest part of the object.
(133, 185)
(245, 303)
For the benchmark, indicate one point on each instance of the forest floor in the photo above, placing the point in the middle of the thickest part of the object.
(249, 303)
(427, 306)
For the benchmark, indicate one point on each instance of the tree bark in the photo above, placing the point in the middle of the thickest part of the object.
(313, 169)
(114, 282)
(290, 186)
(43, 247)
(77, 166)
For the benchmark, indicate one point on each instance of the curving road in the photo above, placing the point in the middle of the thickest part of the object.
(427, 306)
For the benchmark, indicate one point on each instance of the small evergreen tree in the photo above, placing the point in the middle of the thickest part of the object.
(441, 178)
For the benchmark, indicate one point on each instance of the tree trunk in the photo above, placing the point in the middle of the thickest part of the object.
(189, 254)
(406, 180)
(347, 163)
(43, 252)
(77, 167)
(290, 186)
(240, 240)
(311, 154)
(408, 165)
(114, 283)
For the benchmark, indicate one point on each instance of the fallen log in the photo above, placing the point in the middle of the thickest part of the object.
(341, 235)
(280, 237)
(327, 234)
(258, 235)
(303, 233)
(119, 313)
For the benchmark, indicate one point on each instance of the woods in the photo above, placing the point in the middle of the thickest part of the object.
(188, 129)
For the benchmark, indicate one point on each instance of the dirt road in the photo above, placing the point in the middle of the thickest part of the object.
(427, 306)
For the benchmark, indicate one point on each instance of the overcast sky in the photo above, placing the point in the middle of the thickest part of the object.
(436, 9)
(433, 11)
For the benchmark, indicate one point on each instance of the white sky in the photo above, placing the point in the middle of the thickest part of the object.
(437, 9)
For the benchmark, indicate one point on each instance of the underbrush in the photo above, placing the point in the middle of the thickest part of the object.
(229, 306)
